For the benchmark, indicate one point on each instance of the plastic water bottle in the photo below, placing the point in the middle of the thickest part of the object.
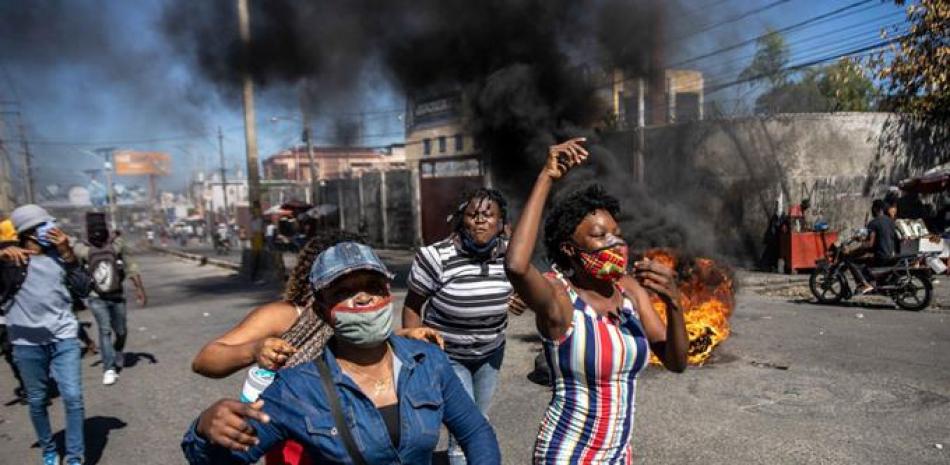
(254, 384)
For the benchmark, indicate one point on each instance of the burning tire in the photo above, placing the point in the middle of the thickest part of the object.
(915, 293)
(827, 287)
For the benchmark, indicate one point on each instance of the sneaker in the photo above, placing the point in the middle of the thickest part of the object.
(51, 458)
(109, 377)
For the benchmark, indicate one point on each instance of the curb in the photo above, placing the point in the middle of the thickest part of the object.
(198, 258)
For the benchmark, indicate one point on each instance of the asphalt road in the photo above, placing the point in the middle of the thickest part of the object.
(795, 384)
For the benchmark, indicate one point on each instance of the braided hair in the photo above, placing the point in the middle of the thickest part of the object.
(310, 333)
(457, 219)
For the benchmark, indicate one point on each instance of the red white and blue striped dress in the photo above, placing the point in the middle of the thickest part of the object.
(595, 367)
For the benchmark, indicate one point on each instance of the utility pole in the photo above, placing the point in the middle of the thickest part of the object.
(250, 136)
(308, 139)
(639, 161)
(224, 177)
(27, 160)
(106, 154)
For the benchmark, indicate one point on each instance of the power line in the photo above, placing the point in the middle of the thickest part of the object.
(799, 25)
(807, 64)
(779, 31)
(731, 20)
(838, 46)
(722, 69)
(152, 140)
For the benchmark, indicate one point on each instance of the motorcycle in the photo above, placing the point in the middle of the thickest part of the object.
(908, 281)
(222, 245)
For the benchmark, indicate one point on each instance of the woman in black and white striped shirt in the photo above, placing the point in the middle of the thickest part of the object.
(461, 283)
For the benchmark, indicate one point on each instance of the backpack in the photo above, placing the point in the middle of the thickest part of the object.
(107, 270)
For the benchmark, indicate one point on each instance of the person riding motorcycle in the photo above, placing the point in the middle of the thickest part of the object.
(879, 246)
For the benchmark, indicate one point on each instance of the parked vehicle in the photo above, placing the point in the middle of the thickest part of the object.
(908, 281)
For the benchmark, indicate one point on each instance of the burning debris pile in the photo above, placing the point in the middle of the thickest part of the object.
(708, 294)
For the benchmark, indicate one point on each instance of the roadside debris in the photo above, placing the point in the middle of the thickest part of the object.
(768, 365)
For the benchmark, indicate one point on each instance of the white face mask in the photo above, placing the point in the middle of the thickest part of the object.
(363, 326)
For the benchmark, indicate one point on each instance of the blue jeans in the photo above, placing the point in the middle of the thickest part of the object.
(479, 378)
(110, 318)
(61, 360)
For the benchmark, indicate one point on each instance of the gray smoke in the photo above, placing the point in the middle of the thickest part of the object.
(65, 50)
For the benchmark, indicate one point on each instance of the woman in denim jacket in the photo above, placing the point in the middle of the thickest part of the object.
(395, 392)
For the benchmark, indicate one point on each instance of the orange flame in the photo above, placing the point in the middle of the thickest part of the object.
(708, 301)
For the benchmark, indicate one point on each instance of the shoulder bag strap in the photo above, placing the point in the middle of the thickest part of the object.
(330, 391)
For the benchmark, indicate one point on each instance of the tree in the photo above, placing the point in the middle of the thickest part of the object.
(917, 75)
(793, 97)
(846, 86)
(843, 86)
(770, 60)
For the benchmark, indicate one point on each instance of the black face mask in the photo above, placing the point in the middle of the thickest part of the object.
(481, 252)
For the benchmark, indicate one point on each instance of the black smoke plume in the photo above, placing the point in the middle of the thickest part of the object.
(527, 70)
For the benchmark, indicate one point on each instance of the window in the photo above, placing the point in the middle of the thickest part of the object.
(459, 143)
(427, 146)
(441, 144)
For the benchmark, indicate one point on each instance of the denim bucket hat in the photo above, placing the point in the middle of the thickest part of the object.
(344, 258)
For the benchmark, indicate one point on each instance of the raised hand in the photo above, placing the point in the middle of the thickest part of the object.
(564, 156)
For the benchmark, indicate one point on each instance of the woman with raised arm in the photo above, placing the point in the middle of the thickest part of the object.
(596, 320)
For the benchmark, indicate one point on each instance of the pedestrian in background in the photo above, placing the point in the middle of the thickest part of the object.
(109, 262)
(458, 287)
(8, 238)
(37, 278)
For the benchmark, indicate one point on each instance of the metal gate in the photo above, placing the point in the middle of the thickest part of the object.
(442, 182)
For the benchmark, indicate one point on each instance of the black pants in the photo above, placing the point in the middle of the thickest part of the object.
(7, 349)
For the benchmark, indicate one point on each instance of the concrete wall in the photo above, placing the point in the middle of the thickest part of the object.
(726, 175)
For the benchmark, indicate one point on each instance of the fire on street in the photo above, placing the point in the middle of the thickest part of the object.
(795, 383)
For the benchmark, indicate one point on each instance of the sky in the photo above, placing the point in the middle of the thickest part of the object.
(86, 74)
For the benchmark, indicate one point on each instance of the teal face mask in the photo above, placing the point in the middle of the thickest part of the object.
(363, 326)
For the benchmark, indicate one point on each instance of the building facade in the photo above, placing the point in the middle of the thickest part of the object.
(208, 194)
(436, 137)
(332, 162)
(675, 98)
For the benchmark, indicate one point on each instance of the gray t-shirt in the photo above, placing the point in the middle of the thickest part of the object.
(41, 311)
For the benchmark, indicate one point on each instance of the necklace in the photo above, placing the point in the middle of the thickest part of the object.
(379, 387)
(380, 384)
